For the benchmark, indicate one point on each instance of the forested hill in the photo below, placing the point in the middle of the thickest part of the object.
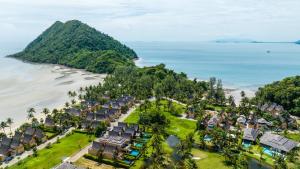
(78, 45)
(285, 92)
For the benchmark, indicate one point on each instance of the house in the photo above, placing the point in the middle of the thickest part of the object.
(263, 123)
(40, 136)
(29, 140)
(4, 152)
(66, 165)
(110, 152)
(130, 131)
(49, 122)
(241, 121)
(73, 111)
(16, 144)
(96, 147)
(29, 131)
(123, 125)
(272, 108)
(250, 134)
(117, 141)
(118, 129)
(90, 116)
(135, 127)
(5, 141)
(113, 133)
(213, 122)
(190, 113)
(277, 143)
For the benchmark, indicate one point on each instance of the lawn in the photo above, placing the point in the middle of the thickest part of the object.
(209, 160)
(179, 127)
(48, 158)
(86, 163)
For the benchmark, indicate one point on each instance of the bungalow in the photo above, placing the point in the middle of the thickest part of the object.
(118, 129)
(29, 140)
(241, 121)
(123, 125)
(135, 127)
(130, 131)
(272, 108)
(250, 134)
(73, 111)
(4, 152)
(277, 143)
(29, 131)
(102, 117)
(111, 152)
(113, 133)
(117, 141)
(213, 122)
(16, 144)
(263, 123)
(96, 147)
(40, 136)
(90, 116)
(49, 122)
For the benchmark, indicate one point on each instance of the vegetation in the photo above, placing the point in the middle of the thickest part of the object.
(285, 92)
(50, 157)
(77, 45)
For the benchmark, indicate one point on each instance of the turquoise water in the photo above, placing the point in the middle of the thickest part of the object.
(246, 144)
(139, 145)
(241, 65)
(134, 153)
(207, 138)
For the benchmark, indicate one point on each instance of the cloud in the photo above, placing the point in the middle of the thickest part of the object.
(156, 20)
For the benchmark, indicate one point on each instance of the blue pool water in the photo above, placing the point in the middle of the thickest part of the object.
(139, 145)
(207, 138)
(127, 161)
(134, 153)
(246, 144)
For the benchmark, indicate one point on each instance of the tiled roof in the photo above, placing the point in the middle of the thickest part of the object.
(278, 142)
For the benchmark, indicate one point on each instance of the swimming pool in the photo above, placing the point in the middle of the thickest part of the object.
(134, 153)
(127, 161)
(207, 138)
(246, 144)
(139, 145)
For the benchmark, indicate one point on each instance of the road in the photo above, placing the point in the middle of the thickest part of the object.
(84, 151)
(28, 153)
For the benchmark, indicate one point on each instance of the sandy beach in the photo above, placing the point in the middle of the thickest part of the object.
(24, 85)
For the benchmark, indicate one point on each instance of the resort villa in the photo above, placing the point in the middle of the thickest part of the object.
(276, 143)
(249, 136)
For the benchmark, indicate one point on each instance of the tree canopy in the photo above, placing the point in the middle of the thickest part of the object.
(75, 44)
(285, 92)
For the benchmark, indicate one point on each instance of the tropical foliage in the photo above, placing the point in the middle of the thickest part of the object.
(77, 45)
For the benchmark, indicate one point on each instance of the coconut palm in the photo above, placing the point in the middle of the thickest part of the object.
(3, 125)
(30, 113)
(9, 122)
(46, 111)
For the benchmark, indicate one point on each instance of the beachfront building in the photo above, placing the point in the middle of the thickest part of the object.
(276, 143)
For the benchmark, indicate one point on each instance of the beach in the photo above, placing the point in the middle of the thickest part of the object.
(25, 85)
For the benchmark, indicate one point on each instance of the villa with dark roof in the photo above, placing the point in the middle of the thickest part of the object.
(277, 143)
(250, 134)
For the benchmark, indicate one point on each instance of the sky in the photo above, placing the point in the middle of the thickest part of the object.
(155, 20)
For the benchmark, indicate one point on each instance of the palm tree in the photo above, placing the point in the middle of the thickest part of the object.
(67, 104)
(9, 122)
(46, 111)
(3, 126)
(30, 112)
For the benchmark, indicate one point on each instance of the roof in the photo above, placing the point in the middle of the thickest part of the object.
(278, 142)
(250, 134)
(27, 138)
(130, 131)
(121, 124)
(109, 149)
(49, 121)
(4, 149)
(5, 141)
(213, 120)
(39, 133)
(113, 133)
(114, 140)
(90, 116)
(241, 119)
(96, 145)
(118, 129)
(66, 165)
(73, 111)
(263, 121)
(29, 131)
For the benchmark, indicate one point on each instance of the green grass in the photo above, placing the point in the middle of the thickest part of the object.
(178, 127)
(48, 158)
(209, 160)
(293, 136)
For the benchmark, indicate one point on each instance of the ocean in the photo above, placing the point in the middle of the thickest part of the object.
(238, 65)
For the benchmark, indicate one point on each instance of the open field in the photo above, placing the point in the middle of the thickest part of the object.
(48, 158)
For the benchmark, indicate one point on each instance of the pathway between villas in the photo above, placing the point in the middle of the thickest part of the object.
(84, 151)
(28, 153)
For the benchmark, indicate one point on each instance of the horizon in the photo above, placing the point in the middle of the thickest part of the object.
(127, 21)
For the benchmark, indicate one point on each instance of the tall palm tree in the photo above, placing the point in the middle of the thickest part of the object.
(30, 113)
(3, 125)
(46, 111)
(9, 122)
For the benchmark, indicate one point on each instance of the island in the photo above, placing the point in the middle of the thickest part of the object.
(150, 117)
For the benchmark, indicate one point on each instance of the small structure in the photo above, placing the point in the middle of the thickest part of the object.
(73, 111)
(40, 136)
(241, 121)
(49, 122)
(213, 122)
(277, 143)
(96, 147)
(66, 165)
(16, 144)
(250, 134)
(263, 123)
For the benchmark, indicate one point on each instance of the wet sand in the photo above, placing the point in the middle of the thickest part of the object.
(24, 85)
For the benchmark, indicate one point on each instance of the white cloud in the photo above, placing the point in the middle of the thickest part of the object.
(156, 20)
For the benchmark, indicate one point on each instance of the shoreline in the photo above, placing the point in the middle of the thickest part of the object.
(39, 86)
(230, 90)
